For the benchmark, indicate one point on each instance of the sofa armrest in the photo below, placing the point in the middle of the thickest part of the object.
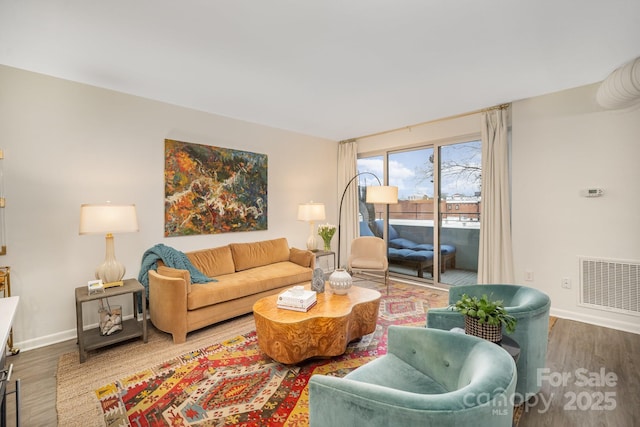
(302, 257)
(168, 305)
(175, 273)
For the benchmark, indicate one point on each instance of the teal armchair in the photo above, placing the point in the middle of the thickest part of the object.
(428, 377)
(529, 306)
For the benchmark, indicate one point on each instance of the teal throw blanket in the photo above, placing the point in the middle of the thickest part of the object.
(171, 258)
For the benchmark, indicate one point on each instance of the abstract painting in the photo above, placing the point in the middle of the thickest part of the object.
(211, 190)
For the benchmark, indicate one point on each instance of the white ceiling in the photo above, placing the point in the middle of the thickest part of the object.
(331, 68)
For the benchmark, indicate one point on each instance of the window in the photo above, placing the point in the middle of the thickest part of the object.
(433, 181)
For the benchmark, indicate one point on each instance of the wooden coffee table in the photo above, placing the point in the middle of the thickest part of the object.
(289, 336)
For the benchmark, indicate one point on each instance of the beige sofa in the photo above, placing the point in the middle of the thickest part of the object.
(245, 272)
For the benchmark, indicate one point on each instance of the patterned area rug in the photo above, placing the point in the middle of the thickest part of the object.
(234, 383)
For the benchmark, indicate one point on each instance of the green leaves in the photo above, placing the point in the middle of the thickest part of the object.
(486, 311)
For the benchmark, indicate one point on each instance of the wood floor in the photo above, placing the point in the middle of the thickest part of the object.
(579, 351)
(36, 370)
(593, 379)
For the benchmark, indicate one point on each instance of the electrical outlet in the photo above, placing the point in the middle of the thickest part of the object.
(528, 276)
(566, 282)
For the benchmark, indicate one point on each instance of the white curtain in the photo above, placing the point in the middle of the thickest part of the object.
(495, 258)
(347, 169)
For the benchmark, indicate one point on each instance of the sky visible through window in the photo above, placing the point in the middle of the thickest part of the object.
(412, 171)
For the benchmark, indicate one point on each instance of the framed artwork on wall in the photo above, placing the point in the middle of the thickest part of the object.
(212, 190)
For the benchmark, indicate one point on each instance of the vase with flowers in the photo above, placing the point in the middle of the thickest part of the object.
(326, 231)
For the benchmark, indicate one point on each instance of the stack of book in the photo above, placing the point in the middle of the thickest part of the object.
(297, 299)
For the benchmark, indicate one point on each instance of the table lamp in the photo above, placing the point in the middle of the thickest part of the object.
(109, 219)
(311, 212)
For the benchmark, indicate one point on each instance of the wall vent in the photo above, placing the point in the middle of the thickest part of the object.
(610, 285)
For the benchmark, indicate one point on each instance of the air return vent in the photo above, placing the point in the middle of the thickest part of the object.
(610, 285)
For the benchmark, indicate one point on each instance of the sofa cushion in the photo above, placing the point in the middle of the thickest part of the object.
(301, 257)
(447, 249)
(393, 233)
(213, 262)
(423, 247)
(420, 255)
(247, 282)
(393, 253)
(402, 243)
(257, 254)
(365, 230)
(392, 372)
(163, 270)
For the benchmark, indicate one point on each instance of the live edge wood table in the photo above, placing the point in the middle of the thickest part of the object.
(289, 336)
(131, 328)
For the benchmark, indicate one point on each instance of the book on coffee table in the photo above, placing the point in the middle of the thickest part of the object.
(301, 309)
(297, 298)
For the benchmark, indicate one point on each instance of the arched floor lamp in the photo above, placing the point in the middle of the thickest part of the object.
(384, 194)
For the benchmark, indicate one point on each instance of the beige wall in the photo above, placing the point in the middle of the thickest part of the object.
(67, 143)
(461, 129)
(564, 143)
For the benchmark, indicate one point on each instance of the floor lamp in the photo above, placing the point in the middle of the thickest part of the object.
(383, 194)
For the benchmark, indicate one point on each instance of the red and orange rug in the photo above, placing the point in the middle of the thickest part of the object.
(234, 383)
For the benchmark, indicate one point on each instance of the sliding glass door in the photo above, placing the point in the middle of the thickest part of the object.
(460, 172)
(433, 232)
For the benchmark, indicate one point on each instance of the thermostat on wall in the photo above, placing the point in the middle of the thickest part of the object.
(593, 192)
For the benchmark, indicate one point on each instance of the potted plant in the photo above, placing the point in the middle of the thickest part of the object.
(484, 318)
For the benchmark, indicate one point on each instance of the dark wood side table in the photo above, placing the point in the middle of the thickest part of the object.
(131, 328)
(512, 347)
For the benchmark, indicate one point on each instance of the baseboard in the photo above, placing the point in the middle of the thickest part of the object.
(46, 340)
(634, 328)
(56, 338)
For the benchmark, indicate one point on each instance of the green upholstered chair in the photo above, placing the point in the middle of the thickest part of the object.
(428, 377)
(529, 306)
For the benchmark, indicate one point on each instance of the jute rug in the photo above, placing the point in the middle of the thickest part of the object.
(79, 385)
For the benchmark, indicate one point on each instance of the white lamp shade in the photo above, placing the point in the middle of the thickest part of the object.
(108, 218)
(311, 212)
(382, 194)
